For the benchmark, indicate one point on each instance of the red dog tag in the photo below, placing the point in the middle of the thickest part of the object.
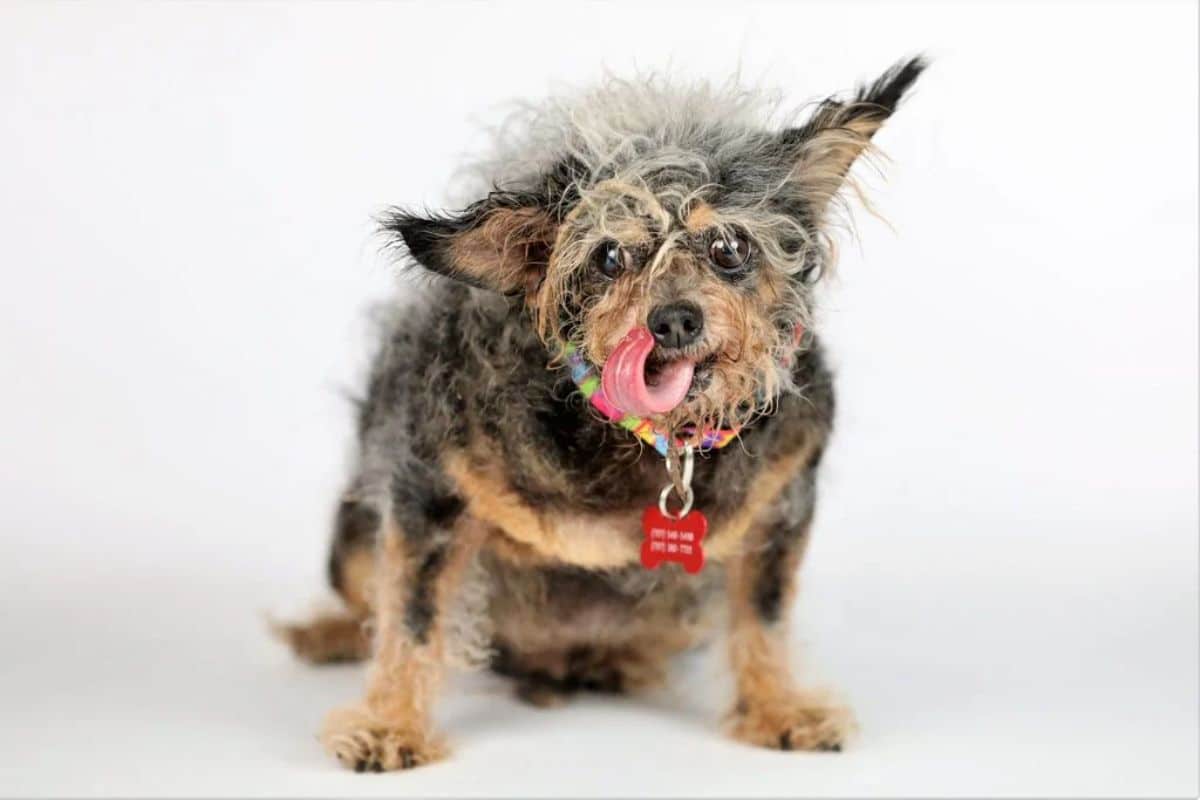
(678, 540)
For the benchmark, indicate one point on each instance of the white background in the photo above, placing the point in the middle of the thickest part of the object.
(1004, 575)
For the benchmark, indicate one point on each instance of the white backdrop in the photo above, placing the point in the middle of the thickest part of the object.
(1004, 575)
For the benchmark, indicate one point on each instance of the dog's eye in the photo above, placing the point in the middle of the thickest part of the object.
(611, 259)
(730, 252)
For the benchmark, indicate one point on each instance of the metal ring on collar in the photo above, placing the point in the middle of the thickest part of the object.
(688, 498)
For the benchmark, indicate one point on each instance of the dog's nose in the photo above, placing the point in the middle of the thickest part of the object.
(676, 324)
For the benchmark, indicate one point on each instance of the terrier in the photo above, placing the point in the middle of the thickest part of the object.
(594, 440)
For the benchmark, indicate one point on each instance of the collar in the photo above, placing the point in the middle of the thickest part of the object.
(585, 377)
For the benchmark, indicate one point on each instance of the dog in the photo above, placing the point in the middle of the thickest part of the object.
(593, 442)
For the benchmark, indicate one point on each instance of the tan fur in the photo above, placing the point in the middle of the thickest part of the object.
(506, 250)
(358, 579)
(328, 638)
(771, 710)
(740, 330)
(555, 598)
(823, 167)
(602, 541)
(391, 730)
(611, 211)
(621, 309)
(524, 537)
(700, 217)
(340, 636)
(595, 541)
(746, 343)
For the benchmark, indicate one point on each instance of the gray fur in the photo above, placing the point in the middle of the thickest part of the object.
(467, 367)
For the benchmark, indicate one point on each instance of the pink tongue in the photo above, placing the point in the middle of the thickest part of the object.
(624, 377)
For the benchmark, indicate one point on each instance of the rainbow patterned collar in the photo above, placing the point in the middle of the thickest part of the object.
(585, 377)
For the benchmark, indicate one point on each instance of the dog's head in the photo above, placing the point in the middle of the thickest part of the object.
(671, 235)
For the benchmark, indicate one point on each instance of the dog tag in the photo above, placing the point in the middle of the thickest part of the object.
(669, 539)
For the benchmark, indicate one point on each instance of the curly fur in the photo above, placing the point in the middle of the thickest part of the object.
(631, 162)
(501, 512)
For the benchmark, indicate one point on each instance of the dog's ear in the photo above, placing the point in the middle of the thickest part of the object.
(825, 147)
(500, 243)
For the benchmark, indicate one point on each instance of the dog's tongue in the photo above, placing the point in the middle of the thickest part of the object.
(624, 377)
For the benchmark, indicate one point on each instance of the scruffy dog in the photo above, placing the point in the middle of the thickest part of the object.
(595, 440)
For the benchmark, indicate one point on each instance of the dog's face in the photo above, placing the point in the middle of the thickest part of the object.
(703, 265)
(679, 253)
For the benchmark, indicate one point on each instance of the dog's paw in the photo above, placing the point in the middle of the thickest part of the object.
(364, 744)
(799, 722)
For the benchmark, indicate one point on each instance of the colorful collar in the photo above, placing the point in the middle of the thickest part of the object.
(585, 377)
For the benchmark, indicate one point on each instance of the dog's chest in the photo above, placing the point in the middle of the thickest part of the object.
(542, 524)
(549, 523)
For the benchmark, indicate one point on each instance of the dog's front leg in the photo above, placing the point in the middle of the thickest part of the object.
(418, 572)
(771, 709)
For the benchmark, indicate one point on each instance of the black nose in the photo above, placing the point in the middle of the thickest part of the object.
(676, 324)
